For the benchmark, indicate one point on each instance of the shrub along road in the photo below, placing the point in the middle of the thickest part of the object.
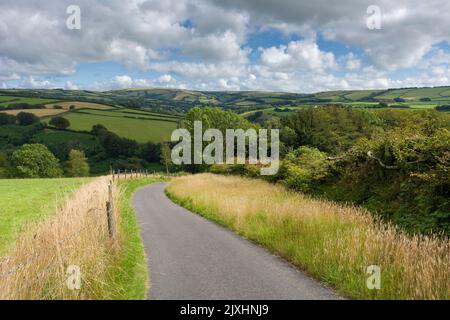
(191, 257)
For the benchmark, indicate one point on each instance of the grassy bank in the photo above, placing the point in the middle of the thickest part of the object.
(70, 229)
(130, 270)
(26, 201)
(75, 236)
(334, 243)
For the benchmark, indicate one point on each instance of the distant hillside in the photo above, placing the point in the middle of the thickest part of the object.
(177, 100)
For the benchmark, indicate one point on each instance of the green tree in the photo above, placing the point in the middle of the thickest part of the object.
(60, 123)
(26, 118)
(35, 161)
(165, 155)
(77, 165)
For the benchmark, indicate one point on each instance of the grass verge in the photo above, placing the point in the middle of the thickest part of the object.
(130, 278)
(333, 242)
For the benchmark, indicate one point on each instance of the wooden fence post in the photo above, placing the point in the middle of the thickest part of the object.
(110, 213)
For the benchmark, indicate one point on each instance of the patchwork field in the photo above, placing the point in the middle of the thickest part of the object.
(42, 196)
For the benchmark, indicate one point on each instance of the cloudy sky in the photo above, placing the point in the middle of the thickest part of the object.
(277, 45)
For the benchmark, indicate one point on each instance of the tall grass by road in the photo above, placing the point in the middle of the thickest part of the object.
(75, 233)
(25, 201)
(333, 242)
(75, 236)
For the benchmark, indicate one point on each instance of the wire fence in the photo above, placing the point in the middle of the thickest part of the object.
(128, 174)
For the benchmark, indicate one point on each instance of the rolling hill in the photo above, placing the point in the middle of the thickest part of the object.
(179, 101)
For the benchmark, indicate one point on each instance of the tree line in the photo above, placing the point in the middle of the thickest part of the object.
(394, 162)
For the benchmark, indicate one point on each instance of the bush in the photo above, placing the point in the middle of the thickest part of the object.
(406, 178)
(35, 161)
(304, 168)
(60, 123)
(26, 118)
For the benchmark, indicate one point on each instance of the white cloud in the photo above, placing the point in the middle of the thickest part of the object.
(123, 81)
(202, 44)
(166, 78)
(126, 81)
(71, 86)
(352, 63)
(302, 55)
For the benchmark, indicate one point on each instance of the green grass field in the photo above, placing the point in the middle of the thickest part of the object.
(29, 200)
(127, 113)
(147, 113)
(141, 130)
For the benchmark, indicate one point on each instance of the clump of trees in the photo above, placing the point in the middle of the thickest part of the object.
(443, 108)
(35, 161)
(60, 123)
(27, 118)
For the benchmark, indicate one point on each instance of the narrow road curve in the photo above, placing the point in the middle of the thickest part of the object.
(191, 257)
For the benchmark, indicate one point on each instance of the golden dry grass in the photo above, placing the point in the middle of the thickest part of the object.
(333, 242)
(79, 105)
(76, 235)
